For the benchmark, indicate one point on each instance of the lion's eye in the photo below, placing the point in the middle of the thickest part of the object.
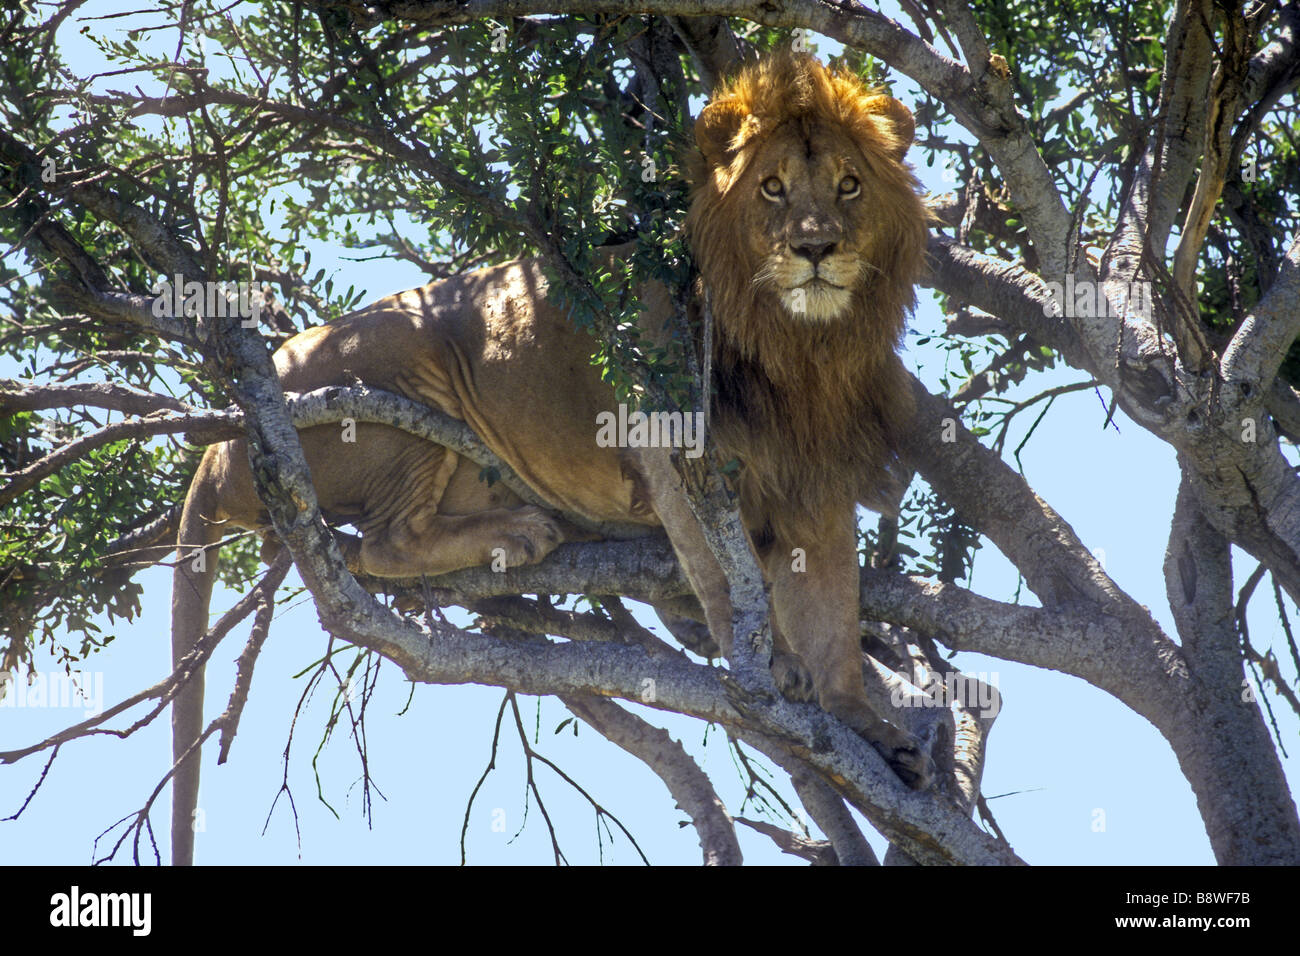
(773, 188)
(849, 187)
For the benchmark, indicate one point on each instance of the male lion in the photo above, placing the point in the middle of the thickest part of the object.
(809, 234)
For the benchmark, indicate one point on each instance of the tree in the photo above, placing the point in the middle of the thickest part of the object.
(1125, 207)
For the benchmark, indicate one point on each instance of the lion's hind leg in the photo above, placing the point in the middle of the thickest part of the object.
(427, 513)
(815, 608)
(432, 544)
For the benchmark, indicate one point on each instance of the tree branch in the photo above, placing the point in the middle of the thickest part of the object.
(712, 44)
(688, 784)
(29, 477)
(1224, 102)
(1235, 771)
(816, 852)
(1173, 145)
(1088, 643)
(1003, 289)
(1245, 486)
(1261, 343)
(320, 406)
(981, 102)
(827, 809)
(17, 397)
(997, 501)
(166, 689)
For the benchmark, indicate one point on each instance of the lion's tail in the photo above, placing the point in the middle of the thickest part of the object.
(192, 581)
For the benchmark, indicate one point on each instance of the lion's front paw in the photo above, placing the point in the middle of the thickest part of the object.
(908, 756)
(792, 678)
(530, 535)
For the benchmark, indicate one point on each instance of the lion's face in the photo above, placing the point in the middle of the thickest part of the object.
(806, 201)
(803, 204)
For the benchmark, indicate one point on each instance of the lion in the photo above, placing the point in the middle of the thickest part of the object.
(809, 235)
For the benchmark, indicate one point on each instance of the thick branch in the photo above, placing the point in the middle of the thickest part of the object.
(321, 406)
(712, 44)
(1244, 485)
(643, 570)
(1169, 159)
(1275, 67)
(1224, 102)
(1003, 289)
(932, 817)
(1261, 343)
(1086, 642)
(1240, 786)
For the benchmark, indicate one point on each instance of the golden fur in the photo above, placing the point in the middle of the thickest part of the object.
(809, 284)
(813, 408)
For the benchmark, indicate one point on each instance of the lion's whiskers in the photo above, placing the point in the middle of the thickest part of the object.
(766, 276)
(866, 267)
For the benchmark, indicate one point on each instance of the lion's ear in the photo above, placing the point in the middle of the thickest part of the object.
(898, 118)
(716, 129)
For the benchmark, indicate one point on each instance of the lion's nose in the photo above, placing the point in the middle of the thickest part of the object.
(814, 252)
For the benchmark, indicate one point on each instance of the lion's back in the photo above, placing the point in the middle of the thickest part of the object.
(490, 349)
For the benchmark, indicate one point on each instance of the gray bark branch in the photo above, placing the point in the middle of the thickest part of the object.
(688, 784)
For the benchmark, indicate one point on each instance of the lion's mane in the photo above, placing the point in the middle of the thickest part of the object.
(814, 410)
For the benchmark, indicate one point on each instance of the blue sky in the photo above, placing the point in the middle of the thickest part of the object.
(1065, 751)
